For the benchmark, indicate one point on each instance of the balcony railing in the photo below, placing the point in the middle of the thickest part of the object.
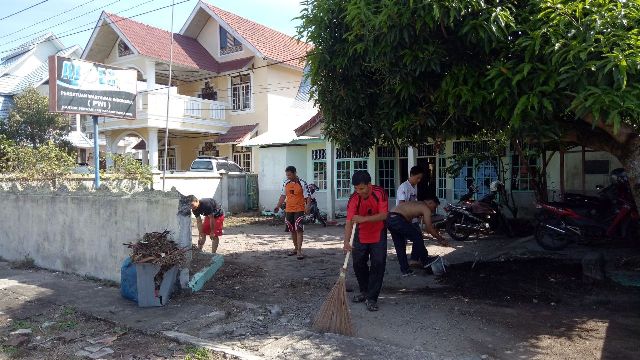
(154, 103)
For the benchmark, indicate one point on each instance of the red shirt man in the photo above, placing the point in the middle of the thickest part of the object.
(367, 208)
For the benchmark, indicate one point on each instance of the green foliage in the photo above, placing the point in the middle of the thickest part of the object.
(45, 162)
(125, 166)
(30, 122)
(197, 353)
(406, 71)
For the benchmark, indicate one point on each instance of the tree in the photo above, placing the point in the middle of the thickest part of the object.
(541, 70)
(30, 122)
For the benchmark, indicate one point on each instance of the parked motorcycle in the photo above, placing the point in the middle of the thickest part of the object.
(581, 219)
(314, 212)
(470, 217)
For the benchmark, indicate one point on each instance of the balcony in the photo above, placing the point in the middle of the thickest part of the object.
(185, 113)
(153, 104)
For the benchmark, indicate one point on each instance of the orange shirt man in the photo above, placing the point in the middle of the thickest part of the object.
(295, 192)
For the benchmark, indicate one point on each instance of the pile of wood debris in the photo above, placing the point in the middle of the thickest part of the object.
(158, 248)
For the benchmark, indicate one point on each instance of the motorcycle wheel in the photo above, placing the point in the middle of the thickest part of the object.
(549, 239)
(457, 235)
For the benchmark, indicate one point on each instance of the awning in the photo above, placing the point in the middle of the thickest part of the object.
(79, 140)
(237, 134)
(276, 138)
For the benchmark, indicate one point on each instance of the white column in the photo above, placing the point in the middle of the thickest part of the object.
(331, 184)
(153, 148)
(150, 70)
(78, 127)
(109, 149)
(412, 157)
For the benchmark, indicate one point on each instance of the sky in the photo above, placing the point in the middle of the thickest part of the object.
(73, 20)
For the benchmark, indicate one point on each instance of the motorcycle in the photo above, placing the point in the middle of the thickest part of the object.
(314, 212)
(582, 219)
(470, 217)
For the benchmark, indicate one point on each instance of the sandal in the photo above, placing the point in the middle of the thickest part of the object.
(292, 253)
(300, 257)
(358, 298)
(372, 305)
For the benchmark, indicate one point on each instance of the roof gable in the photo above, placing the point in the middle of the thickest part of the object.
(266, 42)
(155, 43)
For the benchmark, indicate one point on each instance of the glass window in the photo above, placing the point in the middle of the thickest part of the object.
(319, 160)
(202, 165)
(387, 169)
(347, 163)
(442, 177)
(234, 168)
(228, 43)
(222, 165)
(521, 178)
(460, 182)
(241, 92)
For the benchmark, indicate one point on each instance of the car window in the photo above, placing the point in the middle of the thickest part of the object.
(202, 165)
(233, 167)
(222, 165)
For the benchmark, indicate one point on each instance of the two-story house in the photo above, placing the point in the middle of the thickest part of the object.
(231, 80)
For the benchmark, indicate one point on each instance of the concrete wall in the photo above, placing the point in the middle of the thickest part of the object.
(81, 232)
(273, 161)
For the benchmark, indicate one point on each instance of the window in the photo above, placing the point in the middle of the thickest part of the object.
(460, 181)
(228, 43)
(243, 159)
(482, 173)
(387, 169)
(596, 167)
(347, 163)
(319, 160)
(171, 159)
(486, 173)
(123, 49)
(521, 178)
(241, 92)
(442, 177)
(235, 168)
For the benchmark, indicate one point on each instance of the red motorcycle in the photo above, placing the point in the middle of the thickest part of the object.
(611, 216)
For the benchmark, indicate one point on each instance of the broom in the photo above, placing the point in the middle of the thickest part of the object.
(334, 315)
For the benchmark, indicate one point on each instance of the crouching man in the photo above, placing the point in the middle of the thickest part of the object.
(213, 220)
(367, 208)
(400, 225)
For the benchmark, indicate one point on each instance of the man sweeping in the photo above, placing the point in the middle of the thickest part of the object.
(367, 208)
(401, 228)
(296, 194)
(213, 220)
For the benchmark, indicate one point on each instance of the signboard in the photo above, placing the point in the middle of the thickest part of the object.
(83, 87)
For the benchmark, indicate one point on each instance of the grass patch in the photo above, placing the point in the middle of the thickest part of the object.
(10, 351)
(25, 264)
(21, 324)
(197, 353)
(68, 311)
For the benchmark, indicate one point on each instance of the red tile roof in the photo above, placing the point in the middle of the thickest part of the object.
(271, 43)
(156, 43)
(315, 120)
(236, 134)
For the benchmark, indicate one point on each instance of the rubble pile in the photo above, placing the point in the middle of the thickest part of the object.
(158, 248)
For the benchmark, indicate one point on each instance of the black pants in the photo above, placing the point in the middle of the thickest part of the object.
(369, 262)
(401, 230)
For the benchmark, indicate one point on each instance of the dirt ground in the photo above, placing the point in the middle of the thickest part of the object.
(524, 307)
(59, 332)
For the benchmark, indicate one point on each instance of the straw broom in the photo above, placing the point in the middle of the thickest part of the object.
(334, 315)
